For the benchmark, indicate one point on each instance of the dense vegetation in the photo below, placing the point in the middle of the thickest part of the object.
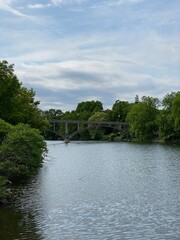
(21, 144)
(148, 119)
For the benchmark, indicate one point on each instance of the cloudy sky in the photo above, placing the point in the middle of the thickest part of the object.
(71, 51)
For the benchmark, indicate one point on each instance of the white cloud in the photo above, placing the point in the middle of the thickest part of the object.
(59, 2)
(114, 3)
(120, 2)
(6, 6)
(38, 6)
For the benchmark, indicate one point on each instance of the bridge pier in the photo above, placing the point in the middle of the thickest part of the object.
(66, 137)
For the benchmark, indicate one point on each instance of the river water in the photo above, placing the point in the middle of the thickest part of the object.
(96, 190)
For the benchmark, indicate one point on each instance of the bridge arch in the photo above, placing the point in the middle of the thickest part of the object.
(119, 126)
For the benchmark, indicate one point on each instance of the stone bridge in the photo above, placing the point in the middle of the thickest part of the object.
(82, 125)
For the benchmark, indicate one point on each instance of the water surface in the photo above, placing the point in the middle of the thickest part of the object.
(91, 190)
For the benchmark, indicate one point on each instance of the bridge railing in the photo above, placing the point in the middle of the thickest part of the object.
(89, 122)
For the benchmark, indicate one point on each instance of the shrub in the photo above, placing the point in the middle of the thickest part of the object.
(21, 152)
(5, 128)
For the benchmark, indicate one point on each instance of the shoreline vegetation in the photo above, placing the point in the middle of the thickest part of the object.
(149, 120)
(22, 146)
(23, 125)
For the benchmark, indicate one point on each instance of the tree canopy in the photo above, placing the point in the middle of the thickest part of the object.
(17, 103)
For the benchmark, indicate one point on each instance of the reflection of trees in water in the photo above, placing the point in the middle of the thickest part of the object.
(15, 226)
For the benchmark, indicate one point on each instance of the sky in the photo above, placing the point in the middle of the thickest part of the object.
(70, 51)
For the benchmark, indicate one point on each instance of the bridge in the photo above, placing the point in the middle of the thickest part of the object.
(82, 125)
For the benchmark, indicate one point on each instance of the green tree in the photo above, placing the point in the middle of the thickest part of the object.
(97, 132)
(17, 103)
(5, 128)
(86, 109)
(151, 101)
(142, 121)
(169, 118)
(21, 152)
(176, 113)
(9, 89)
(53, 114)
(119, 111)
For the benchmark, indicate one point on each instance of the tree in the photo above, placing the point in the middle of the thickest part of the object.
(89, 107)
(168, 100)
(21, 152)
(119, 111)
(9, 89)
(17, 103)
(176, 113)
(5, 128)
(142, 121)
(169, 118)
(151, 101)
(97, 133)
(53, 114)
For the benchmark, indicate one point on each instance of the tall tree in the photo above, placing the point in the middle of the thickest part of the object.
(9, 89)
(17, 103)
(169, 118)
(119, 111)
(88, 108)
(142, 121)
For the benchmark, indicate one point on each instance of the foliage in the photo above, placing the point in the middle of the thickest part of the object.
(142, 121)
(169, 118)
(9, 89)
(53, 114)
(21, 146)
(21, 154)
(89, 107)
(21, 151)
(146, 120)
(97, 133)
(151, 101)
(17, 103)
(5, 128)
(176, 113)
(119, 111)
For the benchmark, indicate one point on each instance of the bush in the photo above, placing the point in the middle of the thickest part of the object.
(21, 152)
(5, 128)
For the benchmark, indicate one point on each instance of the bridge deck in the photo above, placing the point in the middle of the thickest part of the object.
(89, 122)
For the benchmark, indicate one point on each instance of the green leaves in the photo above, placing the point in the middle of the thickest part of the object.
(142, 121)
(17, 103)
(21, 152)
(25, 145)
(169, 119)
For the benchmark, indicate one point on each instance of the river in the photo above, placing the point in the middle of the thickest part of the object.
(98, 190)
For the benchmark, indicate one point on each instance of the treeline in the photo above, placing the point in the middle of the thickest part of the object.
(148, 119)
(22, 145)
